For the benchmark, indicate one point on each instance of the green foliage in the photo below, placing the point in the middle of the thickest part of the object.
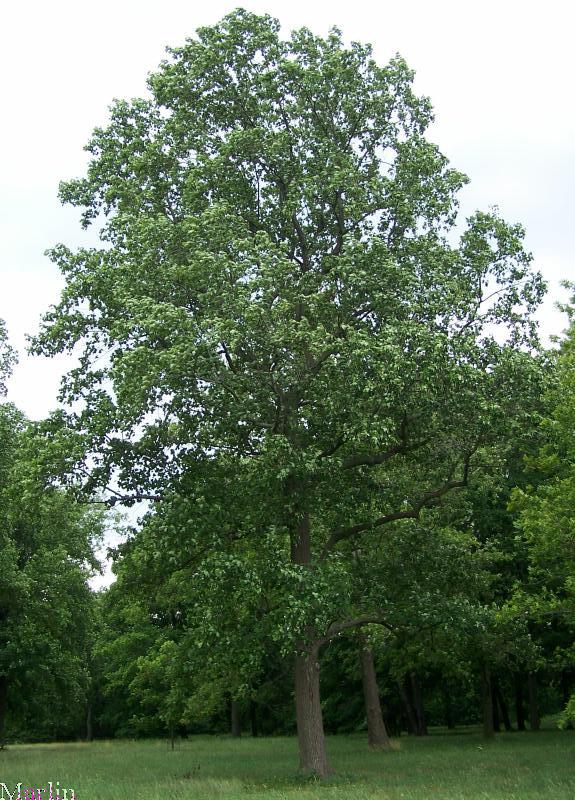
(567, 718)
(546, 519)
(46, 558)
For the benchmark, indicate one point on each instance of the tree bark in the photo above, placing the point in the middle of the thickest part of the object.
(418, 705)
(496, 722)
(376, 731)
(534, 718)
(500, 701)
(311, 739)
(89, 732)
(448, 709)
(235, 724)
(254, 719)
(488, 729)
(405, 691)
(519, 702)
(310, 732)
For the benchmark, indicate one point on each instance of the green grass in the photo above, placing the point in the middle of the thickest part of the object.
(520, 766)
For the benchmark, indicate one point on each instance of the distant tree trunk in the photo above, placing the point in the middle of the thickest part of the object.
(488, 729)
(376, 730)
(448, 717)
(235, 724)
(411, 719)
(3, 704)
(496, 723)
(89, 732)
(312, 753)
(418, 705)
(534, 718)
(500, 701)
(254, 719)
(519, 702)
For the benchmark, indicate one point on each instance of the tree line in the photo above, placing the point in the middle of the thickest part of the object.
(355, 453)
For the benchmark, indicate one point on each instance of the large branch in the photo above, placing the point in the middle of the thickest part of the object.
(430, 498)
(372, 460)
(339, 627)
(329, 451)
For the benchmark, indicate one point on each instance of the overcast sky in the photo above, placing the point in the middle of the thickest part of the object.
(500, 75)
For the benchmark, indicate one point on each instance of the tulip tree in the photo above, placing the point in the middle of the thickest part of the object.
(280, 325)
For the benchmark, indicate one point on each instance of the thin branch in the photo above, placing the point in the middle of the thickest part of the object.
(339, 216)
(302, 241)
(129, 498)
(373, 459)
(431, 498)
(226, 354)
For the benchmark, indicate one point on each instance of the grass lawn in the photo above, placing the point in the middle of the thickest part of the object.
(518, 766)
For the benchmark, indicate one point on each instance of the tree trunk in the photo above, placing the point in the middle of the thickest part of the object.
(519, 702)
(376, 730)
(488, 729)
(310, 733)
(89, 732)
(534, 718)
(496, 723)
(311, 739)
(500, 700)
(418, 705)
(405, 691)
(254, 719)
(235, 725)
(448, 710)
(3, 703)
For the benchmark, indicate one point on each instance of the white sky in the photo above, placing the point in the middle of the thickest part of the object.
(500, 75)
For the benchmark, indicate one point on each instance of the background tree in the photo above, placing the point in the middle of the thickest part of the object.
(7, 357)
(278, 327)
(46, 558)
(546, 521)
